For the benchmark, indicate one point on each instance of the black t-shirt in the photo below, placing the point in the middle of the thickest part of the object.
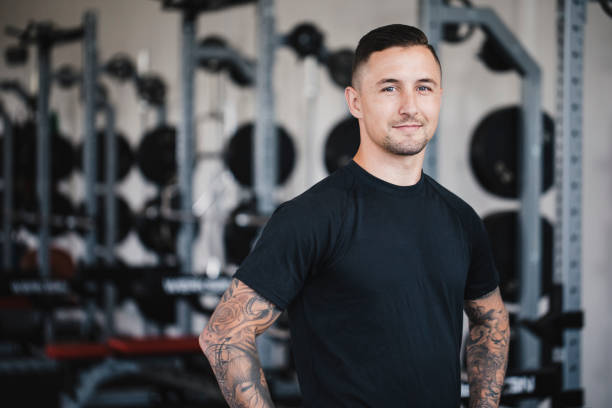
(374, 276)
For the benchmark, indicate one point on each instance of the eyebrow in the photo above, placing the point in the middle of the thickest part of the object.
(397, 81)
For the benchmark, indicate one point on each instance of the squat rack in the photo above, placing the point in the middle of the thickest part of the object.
(568, 173)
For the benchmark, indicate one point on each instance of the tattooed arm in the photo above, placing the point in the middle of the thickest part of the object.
(487, 349)
(228, 341)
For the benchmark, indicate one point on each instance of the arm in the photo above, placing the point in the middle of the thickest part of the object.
(487, 349)
(228, 341)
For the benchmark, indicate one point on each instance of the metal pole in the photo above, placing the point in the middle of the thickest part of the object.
(568, 230)
(265, 143)
(432, 26)
(111, 214)
(529, 215)
(43, 147)
(7, 190)
(90, 71)
(185, 159)
(109, 183)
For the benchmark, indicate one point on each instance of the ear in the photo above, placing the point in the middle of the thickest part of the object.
(353, 101)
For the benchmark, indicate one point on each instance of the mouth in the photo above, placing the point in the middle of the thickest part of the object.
(408, 126)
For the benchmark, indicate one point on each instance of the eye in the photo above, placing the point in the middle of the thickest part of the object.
(423, 88)
(389, 89)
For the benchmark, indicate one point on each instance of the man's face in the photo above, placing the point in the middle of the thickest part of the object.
(397, 99)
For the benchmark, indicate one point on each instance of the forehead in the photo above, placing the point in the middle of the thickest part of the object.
(401, 63)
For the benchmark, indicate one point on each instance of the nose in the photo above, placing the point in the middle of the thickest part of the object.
(408, 104)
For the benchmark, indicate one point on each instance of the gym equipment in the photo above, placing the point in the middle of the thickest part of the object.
(25, 148)
(502, 230)
(66, 76)
(238, 155)
(494, 148)
(342, 144)
(305, 39)
(606, 6)
(15, 55)
(215, 55)
(495, 57)
(120, 67)
(158, 224)
(240, 230)
(152, 89)
(61, 212)
(212, 64)
(340, 66)
(202, 6)
(125, 156)
(456, 33)
(61, 262)
(125, 220)
(156, 155)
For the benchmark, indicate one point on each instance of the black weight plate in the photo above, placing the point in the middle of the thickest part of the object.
(125, 220)
(305, 39)
(494, 57)
(502, 229)
(24, 153)
(152, 89)
(238, 239)
(342, 144)
(156, 232)
(121, 67)
(125, 156)
(239, 155)
(494, 151)
(340, 67)
(156, 155)
(60, 205)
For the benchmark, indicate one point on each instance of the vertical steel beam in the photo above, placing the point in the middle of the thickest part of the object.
(90, 72)
(571, 16)
(529, 213)
(185, 160)
(430, 23)
(110, 205)
(43, 149)
(265, 141)
(7, 190)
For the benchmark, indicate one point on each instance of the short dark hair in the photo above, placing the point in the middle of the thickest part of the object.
(392, 35)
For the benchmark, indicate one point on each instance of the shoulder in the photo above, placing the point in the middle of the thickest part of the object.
(460, 207)
(326, 198)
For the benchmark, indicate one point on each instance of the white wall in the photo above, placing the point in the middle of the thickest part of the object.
(139, 26)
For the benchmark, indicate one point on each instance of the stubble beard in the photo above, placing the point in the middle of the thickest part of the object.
(408, 148)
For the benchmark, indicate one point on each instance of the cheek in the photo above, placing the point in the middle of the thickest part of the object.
(431, 109)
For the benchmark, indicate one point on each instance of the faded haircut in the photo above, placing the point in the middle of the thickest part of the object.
(393, 35)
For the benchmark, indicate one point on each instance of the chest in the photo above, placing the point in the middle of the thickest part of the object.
(416, 246)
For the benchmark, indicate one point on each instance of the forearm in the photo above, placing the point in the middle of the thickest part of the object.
(228, 341)
(487, 356)
(238, 371)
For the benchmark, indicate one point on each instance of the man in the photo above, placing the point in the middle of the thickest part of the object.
(375, 264)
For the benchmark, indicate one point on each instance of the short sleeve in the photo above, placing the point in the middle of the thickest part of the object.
(291, 244)
(482, 275)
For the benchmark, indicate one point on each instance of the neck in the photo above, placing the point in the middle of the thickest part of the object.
(394, 169)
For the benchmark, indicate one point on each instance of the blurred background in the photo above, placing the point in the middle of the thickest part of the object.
(114, 75)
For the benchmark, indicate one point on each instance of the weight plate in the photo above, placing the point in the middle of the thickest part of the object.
(502, 229)
(494, 151)
(342, 144)
(238, 155)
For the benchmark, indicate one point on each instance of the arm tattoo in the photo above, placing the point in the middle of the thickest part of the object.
(228, 341)
(487, 350)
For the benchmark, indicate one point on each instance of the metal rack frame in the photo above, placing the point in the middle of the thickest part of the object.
(433, 15)
(571, 17)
